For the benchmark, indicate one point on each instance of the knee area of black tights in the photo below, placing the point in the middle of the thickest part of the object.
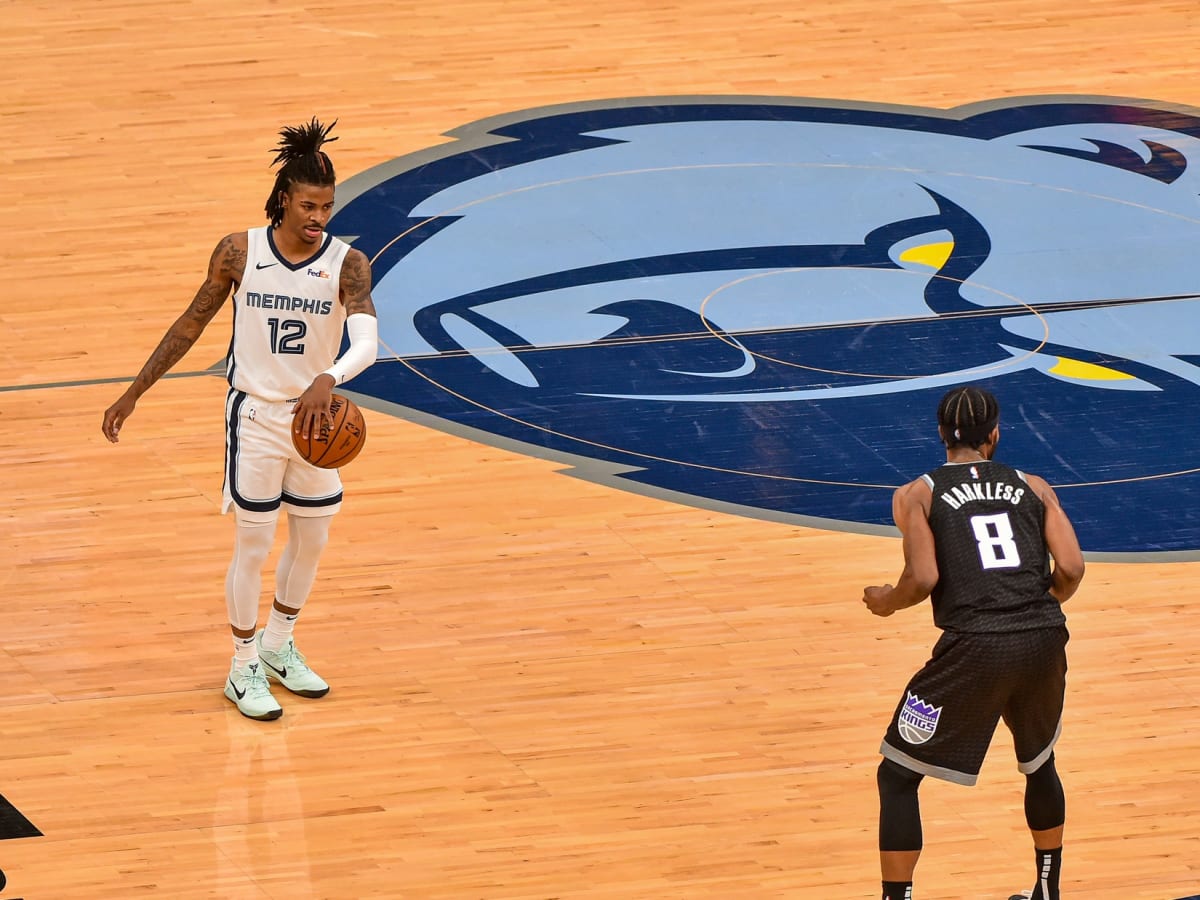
(899, 808)
(894, 779)
(1045, 775)
(1045, 803)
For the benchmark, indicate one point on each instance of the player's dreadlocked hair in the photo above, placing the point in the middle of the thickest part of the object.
(304, 162)
(966, 416)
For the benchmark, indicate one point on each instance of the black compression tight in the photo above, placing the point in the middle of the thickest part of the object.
(899, 807)
(1045, 802)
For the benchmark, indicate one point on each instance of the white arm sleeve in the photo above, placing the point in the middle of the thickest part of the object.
(364, 346)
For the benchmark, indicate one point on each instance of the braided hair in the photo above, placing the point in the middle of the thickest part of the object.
(966, 416)
(304, 162)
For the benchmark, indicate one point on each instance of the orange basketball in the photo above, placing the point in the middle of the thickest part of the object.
(336, 442)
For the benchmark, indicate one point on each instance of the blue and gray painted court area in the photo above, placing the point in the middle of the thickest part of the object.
(754, 304)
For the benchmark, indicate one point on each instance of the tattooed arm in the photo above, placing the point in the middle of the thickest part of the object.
(354, 288)
(225, 269)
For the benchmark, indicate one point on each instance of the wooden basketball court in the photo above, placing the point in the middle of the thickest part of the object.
(542, 687)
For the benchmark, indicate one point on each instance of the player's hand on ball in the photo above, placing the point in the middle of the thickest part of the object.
(312, 410)
(333, 442)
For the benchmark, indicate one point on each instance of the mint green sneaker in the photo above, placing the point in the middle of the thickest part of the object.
(287, 666)
(248, 688)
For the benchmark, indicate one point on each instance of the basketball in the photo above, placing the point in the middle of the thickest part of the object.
(335, 443)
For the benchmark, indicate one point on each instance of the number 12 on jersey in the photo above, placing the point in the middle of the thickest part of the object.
(287, 336)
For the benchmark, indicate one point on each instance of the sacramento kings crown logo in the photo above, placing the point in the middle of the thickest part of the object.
(754, 304)
(917, 720)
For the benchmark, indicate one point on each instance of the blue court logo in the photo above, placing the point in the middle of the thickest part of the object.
(755, 304)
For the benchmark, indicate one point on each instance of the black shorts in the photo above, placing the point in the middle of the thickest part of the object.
(944, 723)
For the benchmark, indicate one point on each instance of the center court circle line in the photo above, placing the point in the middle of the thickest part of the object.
(455, 211)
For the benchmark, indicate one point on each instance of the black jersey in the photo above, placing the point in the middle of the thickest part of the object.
(993, 566)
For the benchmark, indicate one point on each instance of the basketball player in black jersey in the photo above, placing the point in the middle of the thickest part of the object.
(999, 557)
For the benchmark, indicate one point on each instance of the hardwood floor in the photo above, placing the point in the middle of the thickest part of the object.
(542, 687)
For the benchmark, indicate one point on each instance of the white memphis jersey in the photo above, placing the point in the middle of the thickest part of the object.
(287, 318)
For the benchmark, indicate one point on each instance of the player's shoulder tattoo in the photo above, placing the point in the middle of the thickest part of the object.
(355, 283)
(229, 257)
(225, 269)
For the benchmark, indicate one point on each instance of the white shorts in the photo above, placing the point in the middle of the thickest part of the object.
(263, 471)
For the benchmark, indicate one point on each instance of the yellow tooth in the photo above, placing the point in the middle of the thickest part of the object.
(1073, 368)
(932, 255)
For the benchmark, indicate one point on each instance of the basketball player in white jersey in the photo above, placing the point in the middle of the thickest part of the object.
(295, 290)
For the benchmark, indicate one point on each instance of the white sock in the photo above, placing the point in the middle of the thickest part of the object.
(245, 651)
(279, 629)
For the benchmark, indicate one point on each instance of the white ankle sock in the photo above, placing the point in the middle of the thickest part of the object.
(279, 629)
(245, 651)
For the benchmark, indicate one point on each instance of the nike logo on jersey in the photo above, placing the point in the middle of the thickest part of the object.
(264, 265)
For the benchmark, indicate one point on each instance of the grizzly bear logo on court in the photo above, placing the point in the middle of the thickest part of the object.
(754, 304)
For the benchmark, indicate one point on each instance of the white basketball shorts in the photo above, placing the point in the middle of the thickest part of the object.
(263, 470)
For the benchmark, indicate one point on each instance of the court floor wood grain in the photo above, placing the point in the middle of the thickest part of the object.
(542, 687)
